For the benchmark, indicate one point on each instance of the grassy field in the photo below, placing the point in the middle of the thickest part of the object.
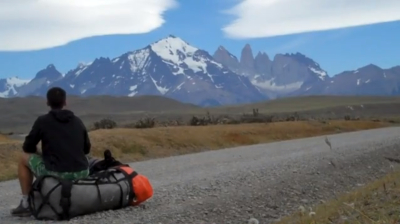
(292, 104)
(4, 139)
(18, 114)
(142, 144)
(375, 203)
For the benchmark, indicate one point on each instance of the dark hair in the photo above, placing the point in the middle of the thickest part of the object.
(56, 97)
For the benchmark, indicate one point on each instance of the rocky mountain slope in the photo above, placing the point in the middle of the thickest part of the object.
(9, 87)
(298, 75)
(169, 67)
(173, 68)
(283, 75)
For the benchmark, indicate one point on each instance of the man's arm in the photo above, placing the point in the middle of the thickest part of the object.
(33, 138)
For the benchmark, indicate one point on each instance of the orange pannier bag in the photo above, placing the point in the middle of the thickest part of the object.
(141, 189)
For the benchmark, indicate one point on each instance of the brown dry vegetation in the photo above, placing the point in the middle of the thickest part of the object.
(3, 138)
(141, 144)
(375, 203)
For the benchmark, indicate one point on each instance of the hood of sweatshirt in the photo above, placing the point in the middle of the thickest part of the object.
(63, 116)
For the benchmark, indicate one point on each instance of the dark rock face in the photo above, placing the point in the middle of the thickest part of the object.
(224, 57)
(247, 60)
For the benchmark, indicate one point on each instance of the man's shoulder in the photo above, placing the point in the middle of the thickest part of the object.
(48, 117)
(78, 120)
(42, 117)
(39, 121)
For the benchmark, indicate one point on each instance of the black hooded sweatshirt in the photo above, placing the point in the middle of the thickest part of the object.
(64, 139)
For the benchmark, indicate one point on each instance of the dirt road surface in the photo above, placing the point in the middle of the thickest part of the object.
(233, 185)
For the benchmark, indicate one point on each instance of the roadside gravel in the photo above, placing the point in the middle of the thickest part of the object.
(233, 185)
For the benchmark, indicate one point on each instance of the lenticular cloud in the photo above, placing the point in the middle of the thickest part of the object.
(265, 18)
(40, 24)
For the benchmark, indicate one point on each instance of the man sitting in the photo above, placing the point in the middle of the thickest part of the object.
(65, 144)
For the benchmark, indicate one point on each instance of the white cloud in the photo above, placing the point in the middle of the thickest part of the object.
(40, 24)
(293, 44)
(266, 18)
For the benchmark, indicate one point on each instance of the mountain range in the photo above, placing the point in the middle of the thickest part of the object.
(173, 68)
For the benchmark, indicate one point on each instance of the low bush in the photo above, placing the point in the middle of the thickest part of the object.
(105, 123)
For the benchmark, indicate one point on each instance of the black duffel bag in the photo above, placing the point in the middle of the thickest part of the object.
(111, 185)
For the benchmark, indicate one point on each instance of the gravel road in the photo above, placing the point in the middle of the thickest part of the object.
(261, 181)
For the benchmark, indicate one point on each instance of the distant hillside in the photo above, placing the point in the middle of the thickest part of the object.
(97, 104)
(305, 103)
(17, 114)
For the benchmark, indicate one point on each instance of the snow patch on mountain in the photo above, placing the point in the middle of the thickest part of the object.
(138, 59)
(160, 89)
(270, 85)
(321, 73)
(133, 90)
(173, 49)
(17, 82)
(10, 85)
(180, 55)
(81, 68)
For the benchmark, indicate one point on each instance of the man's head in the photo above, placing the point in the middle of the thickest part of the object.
(56, 98)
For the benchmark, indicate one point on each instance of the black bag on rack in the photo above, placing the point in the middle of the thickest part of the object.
(54, 199)
(111, 185)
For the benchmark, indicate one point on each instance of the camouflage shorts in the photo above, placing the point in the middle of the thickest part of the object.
(36, 165)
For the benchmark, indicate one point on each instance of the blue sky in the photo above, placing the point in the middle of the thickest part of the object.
(202, 23)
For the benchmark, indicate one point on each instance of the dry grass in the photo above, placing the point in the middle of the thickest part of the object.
(3, 138)
(375, 203)
(136, 144)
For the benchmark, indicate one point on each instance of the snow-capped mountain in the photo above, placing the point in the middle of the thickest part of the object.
(170, 67)
(367, 80)
(9, 87)
(173, 68)
(283, 75)
(298, 75)
(41, 82)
